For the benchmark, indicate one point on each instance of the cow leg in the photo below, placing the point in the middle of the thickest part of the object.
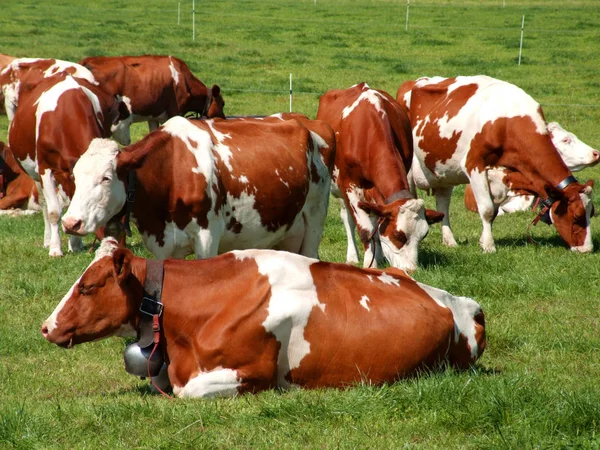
(206, 243)
(350, 227)
(75, 244)
(153, 125)
(314, 220)
(216, 383)
(442, 203)
(52, 214)
(487, 209)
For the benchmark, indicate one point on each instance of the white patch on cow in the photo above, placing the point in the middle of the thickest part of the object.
(61, 66)
(464, 309)
(48, 101)
(11, 98)
(14, 64)
(220, 148)
(364, 302)
(93, 98)
(388, 279)
(174, 71)
(293, 297)
(277, 116)
(243, 179)
(354, 195)
(576, 154)
(372, 96)
(30, 166)
(99, 193)
(371, 278)
(215, 383)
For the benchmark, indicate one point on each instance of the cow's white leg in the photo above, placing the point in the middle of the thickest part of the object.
(442, 204)
(75, 244)
(217, 383)
(314, 216)
(53, 212)
(487, 209)
(349, 226)
(206, 243)
(42, 202)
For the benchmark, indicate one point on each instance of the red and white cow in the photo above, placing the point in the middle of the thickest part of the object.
(576, 154)
(464, 128)
(155, 88)
(373, 148)
(18, 194)
(25, 73)
(207, 187)
(252, 320)
(53, 125)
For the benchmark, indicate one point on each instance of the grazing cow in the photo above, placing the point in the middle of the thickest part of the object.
(207, 187)
(576, 154)
(17, 189)
(373, 148)
(22, 74)
(155, 88)
(53, 126)
(465, 127)
(252, 320)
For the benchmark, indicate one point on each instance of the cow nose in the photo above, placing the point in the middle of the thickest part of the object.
(71, 225)
(596, 155)
(45, 331)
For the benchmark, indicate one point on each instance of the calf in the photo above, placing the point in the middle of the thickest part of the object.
(207, 187)
(465, 127)
(252, 320)
(53, 126)
(17, 189)
(373, 148)
(154, 88)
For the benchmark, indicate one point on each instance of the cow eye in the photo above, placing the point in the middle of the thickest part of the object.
(566, 140)
(86, 289)
(105, 179)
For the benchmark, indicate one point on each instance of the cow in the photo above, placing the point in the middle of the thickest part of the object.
(17, 189)
(53, 125)
(252, 320)
(576, 154)
(207, 187)
(5, 60)
(373, 148)
(22, 74)
(465, 127)
(155, 88)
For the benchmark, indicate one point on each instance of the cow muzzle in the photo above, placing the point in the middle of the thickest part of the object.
(74, 226)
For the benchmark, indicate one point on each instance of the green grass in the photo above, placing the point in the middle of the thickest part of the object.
(536, 385)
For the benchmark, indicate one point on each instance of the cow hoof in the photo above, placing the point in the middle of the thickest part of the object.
(55, 253)
(450, 243)
(488, 248)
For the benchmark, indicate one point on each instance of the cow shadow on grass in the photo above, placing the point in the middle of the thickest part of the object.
(429, 259)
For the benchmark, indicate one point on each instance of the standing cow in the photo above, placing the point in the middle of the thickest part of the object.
(23, 74)
(465, 127)
(252, 320)
(576, 154)
(207, 187)
(155, 88)
(373, 149)
(53, 125)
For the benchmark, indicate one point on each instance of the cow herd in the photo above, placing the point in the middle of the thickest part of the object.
(248, 197)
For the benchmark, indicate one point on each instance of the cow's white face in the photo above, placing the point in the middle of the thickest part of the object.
(99, 194)
(400, 239)
(576, 154)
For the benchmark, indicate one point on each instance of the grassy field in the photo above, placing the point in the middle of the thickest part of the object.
(537, 384)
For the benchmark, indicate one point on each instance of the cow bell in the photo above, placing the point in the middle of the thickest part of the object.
(139, 363)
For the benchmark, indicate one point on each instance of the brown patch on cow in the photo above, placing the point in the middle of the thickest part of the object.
(470, 202)
(409, 330)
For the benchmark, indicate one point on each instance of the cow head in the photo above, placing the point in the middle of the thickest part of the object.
(577, 155)
(217, 104)
(404, 223)
(99, 193)
(100, 304)
(571, 216)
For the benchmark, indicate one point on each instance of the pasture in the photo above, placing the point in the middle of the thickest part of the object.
(536, 385)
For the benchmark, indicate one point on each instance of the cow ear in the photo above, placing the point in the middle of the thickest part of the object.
(432, 216)
(121, 264)
(216, 90)
(134, 158)
(123, 111)
(372, 208)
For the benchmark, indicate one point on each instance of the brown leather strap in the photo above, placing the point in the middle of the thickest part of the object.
(151, 307)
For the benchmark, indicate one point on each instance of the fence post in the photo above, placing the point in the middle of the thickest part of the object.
(521, 43)
(290, 92)
(179, 12)
(193, 20)
(407, 6)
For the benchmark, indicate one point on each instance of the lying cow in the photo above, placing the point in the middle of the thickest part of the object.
(576, 154)
(17, 189)
(373, 148)
(465, 127)
(53, 125)
(22, 74)
(252, 320)
(207, 187)
(155, 88)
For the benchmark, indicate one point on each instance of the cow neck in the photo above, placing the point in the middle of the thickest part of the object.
(546, 204)
(209, 99)
(399, 195)
(130, 198)
(151, 307)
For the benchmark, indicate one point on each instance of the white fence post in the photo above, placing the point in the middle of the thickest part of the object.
(290, 92)
(521, 44)
(179, 12)
(407, 6)
(193, 20)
